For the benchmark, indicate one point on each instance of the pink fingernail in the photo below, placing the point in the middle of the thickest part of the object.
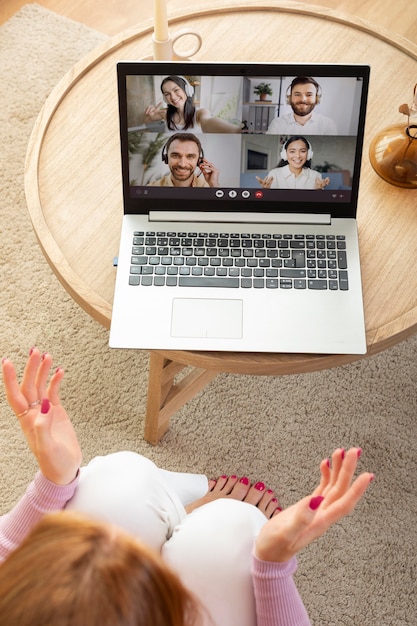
(45, 406)
(244, 480)
(315, 502)
(31, 351)
(43, 356)
(260, 486)
(359, 453)
(343, 454)
(58, 369)
(372, 478)
(4, 359)
(328, 462)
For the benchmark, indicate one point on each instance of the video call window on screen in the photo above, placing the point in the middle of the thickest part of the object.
(238, 132)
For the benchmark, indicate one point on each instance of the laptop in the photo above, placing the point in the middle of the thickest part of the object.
(240, 188)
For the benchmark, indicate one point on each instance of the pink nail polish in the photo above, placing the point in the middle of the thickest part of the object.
(244, 480)
(4, 359)
(343, 453)
(31, 351)
(269, 491)
(260, 486)
(45, 406)
(43, 356)
(359, 453)
(315, 502)
(328, 462)
(372, 478)
(274, 500)
(233, 476)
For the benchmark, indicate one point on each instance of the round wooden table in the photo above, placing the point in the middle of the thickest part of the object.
(74, 195)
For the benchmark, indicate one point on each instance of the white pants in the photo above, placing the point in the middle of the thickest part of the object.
(210, 549)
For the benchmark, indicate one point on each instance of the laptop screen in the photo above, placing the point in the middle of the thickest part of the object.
(241, 137)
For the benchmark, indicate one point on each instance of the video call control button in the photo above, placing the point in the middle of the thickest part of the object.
(219, 193)
(245, 194)
(232, 193)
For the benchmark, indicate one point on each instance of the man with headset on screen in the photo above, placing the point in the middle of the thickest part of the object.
(184, 155)
(303, 94)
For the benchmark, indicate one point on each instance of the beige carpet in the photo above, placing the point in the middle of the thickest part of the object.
(275, 429)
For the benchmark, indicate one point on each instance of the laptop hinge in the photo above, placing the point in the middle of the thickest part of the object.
(245, 218)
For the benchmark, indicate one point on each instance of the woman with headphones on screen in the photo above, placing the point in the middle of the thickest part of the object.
(181, 112)
(152, 547)
(294, 170)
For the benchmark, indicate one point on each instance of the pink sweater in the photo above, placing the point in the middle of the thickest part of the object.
(41, 497)
(278, 602)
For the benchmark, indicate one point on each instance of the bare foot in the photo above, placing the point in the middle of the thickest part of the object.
(239, 489)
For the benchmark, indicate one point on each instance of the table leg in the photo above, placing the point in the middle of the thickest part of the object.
(165, 396)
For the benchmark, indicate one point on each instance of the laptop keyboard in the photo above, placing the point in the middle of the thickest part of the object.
(233, 260)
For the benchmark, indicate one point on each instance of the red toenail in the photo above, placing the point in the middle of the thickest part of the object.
(260, 486)
(233, 476)
(274, 500)
(223, 476)
(269, 491)
(244, 480)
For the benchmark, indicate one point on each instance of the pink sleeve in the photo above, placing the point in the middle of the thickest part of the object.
(41, 497)
(278, 602)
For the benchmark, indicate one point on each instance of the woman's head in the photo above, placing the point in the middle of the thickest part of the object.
(178, 94)
(297, 152)
(78, 572)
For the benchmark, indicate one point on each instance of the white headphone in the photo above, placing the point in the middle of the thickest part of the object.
(284, 151)
(189, 89)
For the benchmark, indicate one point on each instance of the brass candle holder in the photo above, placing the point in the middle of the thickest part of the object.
(393, 151)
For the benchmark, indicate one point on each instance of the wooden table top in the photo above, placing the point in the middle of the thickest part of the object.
(73, 179)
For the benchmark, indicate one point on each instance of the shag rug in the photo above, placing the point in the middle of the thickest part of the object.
(274, 429)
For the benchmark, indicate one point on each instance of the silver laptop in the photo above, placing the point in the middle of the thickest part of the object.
(240, 186)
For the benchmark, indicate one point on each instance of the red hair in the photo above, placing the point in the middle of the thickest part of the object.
(77, 572)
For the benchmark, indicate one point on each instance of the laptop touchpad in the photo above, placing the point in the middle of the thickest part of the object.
(205, 317)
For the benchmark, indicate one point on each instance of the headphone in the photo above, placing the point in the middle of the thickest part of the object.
(303, 80)
(183, 137)
(285, 146)
(189, 89)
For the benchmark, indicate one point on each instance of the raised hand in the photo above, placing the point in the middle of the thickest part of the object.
(297, 526)
(155, 112)
(321, 183)
(210, 172)
(43, 419)
(265, 182)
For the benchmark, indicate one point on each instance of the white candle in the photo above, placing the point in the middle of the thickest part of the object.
(161, 20)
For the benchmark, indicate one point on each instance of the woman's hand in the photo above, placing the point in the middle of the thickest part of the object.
(44, 421)
(211, 124)
(336, 496)
(321, 183)
(265, 182)
(155, 113)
